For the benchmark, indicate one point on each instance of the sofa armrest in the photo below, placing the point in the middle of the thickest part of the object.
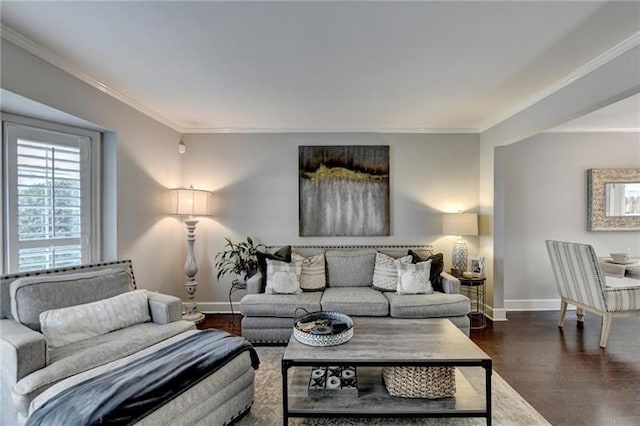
(164, 308)
(450, 284)
(254, 284)
(22, 351)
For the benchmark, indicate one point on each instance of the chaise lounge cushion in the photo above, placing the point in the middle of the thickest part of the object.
(435, 305)
(279, 305)
(357, 301)
(30, 296)
(81, 356)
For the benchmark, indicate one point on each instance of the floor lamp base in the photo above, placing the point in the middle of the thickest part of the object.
(198, 317)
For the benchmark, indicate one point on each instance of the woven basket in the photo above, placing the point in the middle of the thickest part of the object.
(420, 382)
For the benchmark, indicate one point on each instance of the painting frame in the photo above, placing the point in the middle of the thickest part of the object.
(343, 190)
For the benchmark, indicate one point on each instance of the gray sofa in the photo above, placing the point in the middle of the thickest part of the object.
(33, 370)
(269, 318)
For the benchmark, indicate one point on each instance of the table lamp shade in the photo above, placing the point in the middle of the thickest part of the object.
(460, 224)
(191, 202)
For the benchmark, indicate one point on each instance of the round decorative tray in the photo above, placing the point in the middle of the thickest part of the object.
(323, 328)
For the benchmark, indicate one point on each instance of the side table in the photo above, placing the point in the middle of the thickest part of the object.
(236, 285)
(477, 286)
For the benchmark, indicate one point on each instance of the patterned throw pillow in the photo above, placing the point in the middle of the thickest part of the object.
(283, 277)
(413, 278)
(283, 254)
(437, 266)
(313, 277)
(385, 272)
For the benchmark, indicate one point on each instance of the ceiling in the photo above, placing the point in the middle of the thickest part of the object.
(324, 66)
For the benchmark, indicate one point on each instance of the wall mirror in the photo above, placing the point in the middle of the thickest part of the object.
(613, 198)
(622, 199)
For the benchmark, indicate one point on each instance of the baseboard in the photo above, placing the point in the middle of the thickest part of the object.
(495, 314)
(534, 305)
(218, 307)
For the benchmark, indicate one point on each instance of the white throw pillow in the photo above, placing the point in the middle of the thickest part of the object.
(283, 277)
(414, 278)
(385, 272)
(75, 323)
(313, 277)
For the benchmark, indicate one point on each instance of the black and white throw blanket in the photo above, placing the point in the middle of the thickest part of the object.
(127, 393)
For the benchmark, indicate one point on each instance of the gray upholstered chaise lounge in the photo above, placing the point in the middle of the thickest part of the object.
(268, 318)
(32, 373)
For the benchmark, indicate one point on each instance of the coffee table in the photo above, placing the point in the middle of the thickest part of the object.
(379, 342)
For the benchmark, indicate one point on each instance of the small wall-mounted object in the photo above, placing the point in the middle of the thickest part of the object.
(613, 200)
(182, 148)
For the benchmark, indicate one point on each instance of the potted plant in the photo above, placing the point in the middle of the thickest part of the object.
(238, 258)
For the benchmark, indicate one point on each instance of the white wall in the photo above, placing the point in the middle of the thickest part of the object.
(545, 197)
(147, 164)
(255, 180)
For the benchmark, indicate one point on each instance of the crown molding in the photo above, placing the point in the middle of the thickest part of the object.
(583, 130)
(585, 69)
(328, 130)
(46, 55)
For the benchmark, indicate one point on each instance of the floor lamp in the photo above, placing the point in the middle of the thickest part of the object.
(190, 202)
(460, 224)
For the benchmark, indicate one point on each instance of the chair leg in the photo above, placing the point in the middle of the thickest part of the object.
(606, 326)
(580, 314)
(563, 311)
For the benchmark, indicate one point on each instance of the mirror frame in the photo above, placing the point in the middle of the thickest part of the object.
(597, 220)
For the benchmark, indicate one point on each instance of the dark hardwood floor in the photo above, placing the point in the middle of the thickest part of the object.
(563, 373)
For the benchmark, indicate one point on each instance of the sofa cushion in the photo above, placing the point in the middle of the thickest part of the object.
(435, 305)
(87, 354)
(30, 296)
(74, 323)
(279, 305)
(385, 272)
(350, 268)
(313, 276)
(413, 278)
(358, 301)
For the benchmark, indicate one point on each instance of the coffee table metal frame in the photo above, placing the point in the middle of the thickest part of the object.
(485, 363)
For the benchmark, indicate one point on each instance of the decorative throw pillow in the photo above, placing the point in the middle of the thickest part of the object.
(313, 277)
(437, 266)
(413, 278)
(74, 323)
(283, 277)
(385, 271)
(283, 254)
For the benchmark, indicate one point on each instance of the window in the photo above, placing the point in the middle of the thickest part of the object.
(52, 193)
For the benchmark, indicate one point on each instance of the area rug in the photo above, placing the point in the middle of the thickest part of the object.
(509, 408)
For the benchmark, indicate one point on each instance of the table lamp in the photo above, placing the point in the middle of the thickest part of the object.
(191, 202)
(460, 224)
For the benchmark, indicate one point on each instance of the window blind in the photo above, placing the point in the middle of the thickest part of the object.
(49, 204)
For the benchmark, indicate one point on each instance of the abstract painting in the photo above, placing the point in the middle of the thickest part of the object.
(343, 190)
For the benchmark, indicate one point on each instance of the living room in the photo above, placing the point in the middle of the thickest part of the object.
(464, 139)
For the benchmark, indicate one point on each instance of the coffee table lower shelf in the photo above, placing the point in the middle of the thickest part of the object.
(375, 401)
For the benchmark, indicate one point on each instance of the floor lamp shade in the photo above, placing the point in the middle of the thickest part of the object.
(190, 202)
(460, 224)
